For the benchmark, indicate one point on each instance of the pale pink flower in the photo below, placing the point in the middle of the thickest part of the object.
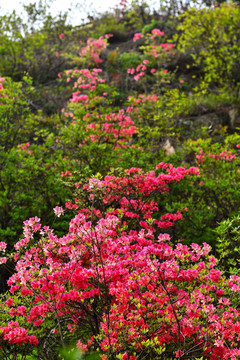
(3, 260)
(82, 347)
(58, 211)
(95, 183)
(3, 246)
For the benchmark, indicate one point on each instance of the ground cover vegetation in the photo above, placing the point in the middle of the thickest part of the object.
(120, 184)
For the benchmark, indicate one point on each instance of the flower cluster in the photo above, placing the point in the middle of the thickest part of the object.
(140, 70)
(137, 36)
(224, 155)
(16, 334)
(94, 48)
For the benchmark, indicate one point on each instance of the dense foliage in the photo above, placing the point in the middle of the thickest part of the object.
(119, 177)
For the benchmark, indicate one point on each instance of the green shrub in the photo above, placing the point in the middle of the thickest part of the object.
(228, 245)
(215, 195)
(211, 38)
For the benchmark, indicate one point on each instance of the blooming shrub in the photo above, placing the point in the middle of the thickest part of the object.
(116, 283)
(93, 49)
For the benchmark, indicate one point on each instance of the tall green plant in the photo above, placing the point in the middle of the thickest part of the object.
(211, 37)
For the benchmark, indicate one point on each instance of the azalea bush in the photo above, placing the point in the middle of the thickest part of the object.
(115, 283)
(100, 118)
(99, 133)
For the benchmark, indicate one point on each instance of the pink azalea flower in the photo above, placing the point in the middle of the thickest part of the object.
(3, 246)
(137, 36)
(157, 32)
(58, 211)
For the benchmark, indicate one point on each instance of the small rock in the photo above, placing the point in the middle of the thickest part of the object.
(169, 149)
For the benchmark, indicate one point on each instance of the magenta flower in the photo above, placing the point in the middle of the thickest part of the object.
(137, 36)
(157, 32)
